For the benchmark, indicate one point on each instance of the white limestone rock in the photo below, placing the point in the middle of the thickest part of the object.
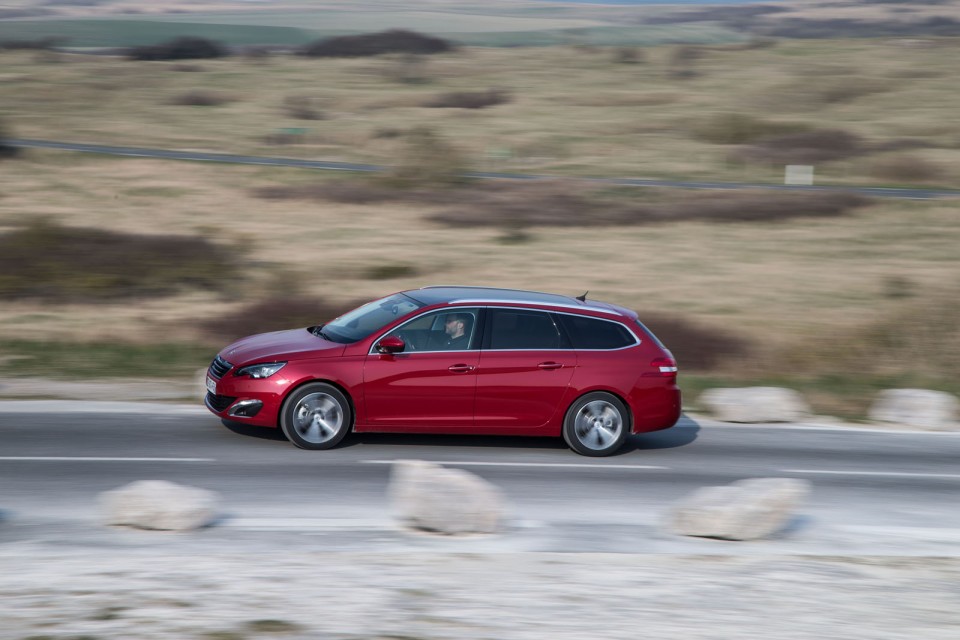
(158, 504)
(755, 404)
(917, 408)
(745, 510)
(430, 497)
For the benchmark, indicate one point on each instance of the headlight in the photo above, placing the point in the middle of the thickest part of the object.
(261, 370)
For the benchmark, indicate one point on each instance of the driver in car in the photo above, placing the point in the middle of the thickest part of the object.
(455, 327)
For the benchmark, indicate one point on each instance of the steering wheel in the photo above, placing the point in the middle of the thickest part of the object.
(408, 344)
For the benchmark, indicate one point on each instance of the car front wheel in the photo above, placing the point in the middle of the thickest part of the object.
(316, 416)
(596, 424)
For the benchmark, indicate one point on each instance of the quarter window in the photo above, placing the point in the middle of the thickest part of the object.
(521, 329)
(593, 333)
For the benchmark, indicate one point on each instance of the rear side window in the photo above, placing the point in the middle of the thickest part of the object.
(593, 333)
(521, 329)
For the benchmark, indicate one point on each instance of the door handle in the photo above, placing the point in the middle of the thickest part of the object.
(550, 366)
(460, 368)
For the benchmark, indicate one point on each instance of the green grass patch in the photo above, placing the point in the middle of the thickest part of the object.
(49, 262)
(72, 360)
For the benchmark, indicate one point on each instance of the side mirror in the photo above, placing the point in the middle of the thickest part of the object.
(391, 344)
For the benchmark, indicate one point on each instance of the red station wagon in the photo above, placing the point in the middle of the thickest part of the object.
(453, 359)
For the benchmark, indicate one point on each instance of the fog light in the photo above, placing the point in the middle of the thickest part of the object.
(246, 408)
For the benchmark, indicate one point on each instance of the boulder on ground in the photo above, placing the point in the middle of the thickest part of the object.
(755, 404)
(745, 510)
(917, 408)
(158, 504)
(430, 497)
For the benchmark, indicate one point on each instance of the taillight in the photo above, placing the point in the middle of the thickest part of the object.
(666, 366)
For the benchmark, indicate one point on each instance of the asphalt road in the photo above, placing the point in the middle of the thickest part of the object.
(327, 165)
(872, 491)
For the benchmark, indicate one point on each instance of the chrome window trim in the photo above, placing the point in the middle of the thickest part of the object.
(373, 345)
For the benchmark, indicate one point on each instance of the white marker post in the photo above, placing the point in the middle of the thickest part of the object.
(798, 174)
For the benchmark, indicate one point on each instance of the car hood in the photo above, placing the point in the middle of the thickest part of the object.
(280, 345)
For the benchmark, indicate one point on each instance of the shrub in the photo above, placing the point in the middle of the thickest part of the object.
(7, 150)
(696, 346)
(739, 128)
(468, 99)
(302, 108)
(201, 98)
(628, 55)
(906, 168)
(555, 204)
(374, 44)
(185, 48)
(274, 314)
(389, 271)
(427, 159)
(809, 147)
(50, 262)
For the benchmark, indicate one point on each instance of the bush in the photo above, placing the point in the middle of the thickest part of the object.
(201, 98)
(274, 314)
(7, 150)
(375, 44)
(302, 108)
(738, 128)
(53, 263)
(628, 55)
(821, 145)
(427, 159)
(389, 271)
(906, 168)
(554, 204)
(186, 48)
(468, 99)
(696, 347)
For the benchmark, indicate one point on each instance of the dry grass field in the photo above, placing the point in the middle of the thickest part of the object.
(815, 298)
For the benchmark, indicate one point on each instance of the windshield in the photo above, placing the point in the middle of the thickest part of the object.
(371, 317)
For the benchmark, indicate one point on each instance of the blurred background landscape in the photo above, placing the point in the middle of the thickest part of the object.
(118, 267)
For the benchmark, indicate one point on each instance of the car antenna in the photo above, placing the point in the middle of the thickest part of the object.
(583, 298)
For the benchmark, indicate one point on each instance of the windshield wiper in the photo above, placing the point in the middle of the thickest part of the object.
(318, 331)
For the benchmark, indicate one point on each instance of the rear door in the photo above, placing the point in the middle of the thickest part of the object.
(525, 369)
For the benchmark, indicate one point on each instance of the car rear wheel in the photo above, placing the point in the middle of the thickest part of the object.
(596, 424)
(316, 416)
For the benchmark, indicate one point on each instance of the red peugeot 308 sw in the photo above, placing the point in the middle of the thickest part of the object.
(454, 359)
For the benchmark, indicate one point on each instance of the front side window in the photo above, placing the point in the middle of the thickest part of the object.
(594, 333)
(446, 330)
(373, 316)
(522, 329)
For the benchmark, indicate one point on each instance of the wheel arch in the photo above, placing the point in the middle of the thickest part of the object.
(618, 396)
(336, 385)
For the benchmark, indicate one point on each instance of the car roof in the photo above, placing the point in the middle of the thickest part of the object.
(455, 293)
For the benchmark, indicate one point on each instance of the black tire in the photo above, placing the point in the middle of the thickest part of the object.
(316, 416)
(596, 425)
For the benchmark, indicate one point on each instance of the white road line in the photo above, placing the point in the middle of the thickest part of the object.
(99, 459)
(892, 474)
(303, 524)
(562, 465)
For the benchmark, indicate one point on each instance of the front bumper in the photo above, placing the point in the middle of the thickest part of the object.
(244, 400)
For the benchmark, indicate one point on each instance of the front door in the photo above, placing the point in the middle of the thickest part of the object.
(431, 385)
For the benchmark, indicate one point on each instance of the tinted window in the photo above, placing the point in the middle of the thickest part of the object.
(592, 333)
(518, 329)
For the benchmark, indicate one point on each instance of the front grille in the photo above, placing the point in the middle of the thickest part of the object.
(219, 366)
(219, 403)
